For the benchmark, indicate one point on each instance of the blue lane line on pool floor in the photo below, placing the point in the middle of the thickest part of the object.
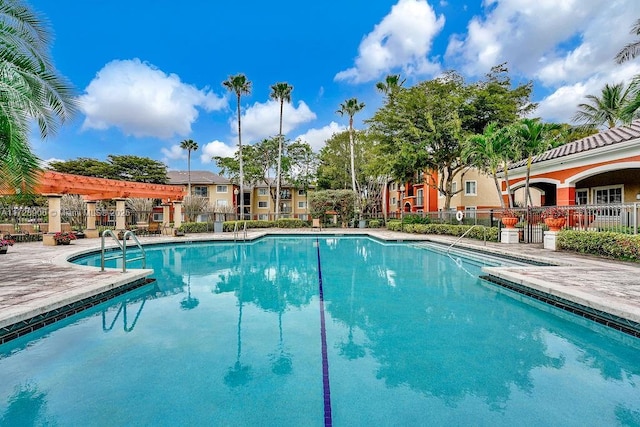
(325, 360)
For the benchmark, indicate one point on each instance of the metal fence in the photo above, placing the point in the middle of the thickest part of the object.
(618, 218)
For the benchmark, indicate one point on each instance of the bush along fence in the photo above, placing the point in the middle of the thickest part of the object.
(619, 246)
(491, 234)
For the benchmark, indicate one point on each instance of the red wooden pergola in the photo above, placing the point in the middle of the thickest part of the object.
(94, 189)
(55, 184)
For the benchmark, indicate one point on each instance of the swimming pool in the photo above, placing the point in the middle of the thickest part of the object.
(298, 331)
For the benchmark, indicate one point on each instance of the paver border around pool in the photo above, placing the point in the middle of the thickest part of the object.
(609, 286)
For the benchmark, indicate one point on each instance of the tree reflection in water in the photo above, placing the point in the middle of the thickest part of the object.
(27, 407)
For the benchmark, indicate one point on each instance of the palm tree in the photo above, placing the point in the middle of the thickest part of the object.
(282, 93)
(391, 85)
(533, 139)
(631, 50)
(190, 146)
(350, 107)
(30, 88)
(487, 151)
(607, 109)
(240, 86)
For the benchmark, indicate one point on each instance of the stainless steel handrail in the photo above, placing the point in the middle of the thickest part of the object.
(123, 249)
(466, 232)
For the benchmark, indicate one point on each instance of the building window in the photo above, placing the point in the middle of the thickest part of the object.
(222, 202)
(263, 217)
(263, 192)
(201, 191)
(470, 188)
(263, 204)
(301, 192)
(393, 186)
(157, 217)
(285, 194)
(420, 197)
(302, 205)
(221, 189)
(454, 186)
(608, 195)
(393, 201)
(581, 197)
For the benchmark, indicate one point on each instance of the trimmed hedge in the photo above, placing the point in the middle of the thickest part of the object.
(195, 227)
(620, 246)
(281, 223)
(492, 233)
(375, 223)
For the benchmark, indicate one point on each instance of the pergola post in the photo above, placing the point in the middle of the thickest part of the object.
(166, 216)
(91, 231)
(121, 214)
(177, 213)
(55, 223)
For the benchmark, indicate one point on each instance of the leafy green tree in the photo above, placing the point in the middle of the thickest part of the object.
(422, 130)
(334, 168)
(282, 93)
(30, 89)
(298, 164)
(350, 107)
(494, 99)
(84, 166)
(124, 168)
(606, 109)
(343, 202)
(631, 50)
(240, 85)
(189, 145)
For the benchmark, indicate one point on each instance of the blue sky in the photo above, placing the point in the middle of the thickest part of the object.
(148, 72)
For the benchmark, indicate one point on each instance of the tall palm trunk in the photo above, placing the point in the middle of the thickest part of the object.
(241, 163)
(278, 183)
(189, 172)
(352, 155)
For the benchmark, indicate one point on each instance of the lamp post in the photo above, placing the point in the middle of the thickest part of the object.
(235, 194)
(402, 188)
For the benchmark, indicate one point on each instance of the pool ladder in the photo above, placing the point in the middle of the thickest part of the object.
(466, 232)
(236, 231)
(123, 249)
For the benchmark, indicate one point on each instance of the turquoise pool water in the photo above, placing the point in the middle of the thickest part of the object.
(242, 335)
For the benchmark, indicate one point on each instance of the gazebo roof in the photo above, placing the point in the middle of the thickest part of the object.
(101, 188)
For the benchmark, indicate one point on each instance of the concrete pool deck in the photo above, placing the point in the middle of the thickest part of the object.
(38, 278)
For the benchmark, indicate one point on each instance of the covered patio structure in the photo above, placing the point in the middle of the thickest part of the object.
(54, 185)
(600, 169)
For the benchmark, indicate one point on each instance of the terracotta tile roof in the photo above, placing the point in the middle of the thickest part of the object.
(197, 177)
(592, 142)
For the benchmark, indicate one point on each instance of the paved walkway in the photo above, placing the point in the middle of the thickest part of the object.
(38, 278)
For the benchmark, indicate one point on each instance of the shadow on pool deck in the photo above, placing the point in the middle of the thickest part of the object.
(38, 278)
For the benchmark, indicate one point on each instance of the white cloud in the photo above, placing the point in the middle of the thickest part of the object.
(555, 42)
(141, 100)
(216, 148)
(401, 40)
(175, 152)
(45, 163)
(316, 137)
(263, 120)
(562, 104)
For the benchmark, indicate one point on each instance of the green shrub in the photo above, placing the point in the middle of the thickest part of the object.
(492, 233)
(612, 245)
(195, 227)
(415, 219)
(290, 223)
(375, 223)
